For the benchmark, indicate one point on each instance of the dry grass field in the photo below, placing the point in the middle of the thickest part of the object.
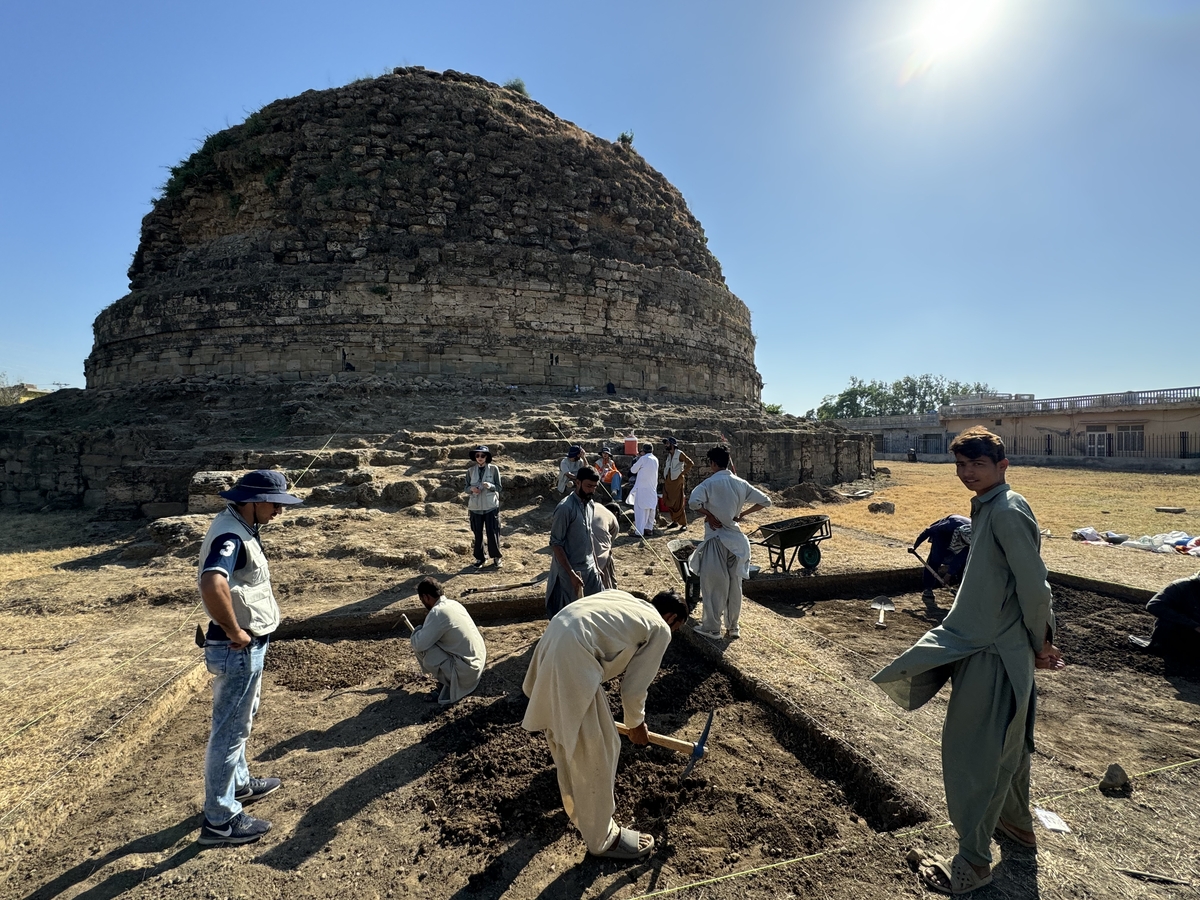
(97, 666)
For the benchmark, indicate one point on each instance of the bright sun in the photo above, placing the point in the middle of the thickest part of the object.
(950, 28)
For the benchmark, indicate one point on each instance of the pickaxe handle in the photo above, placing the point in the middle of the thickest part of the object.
(941, 580)
(663, 740)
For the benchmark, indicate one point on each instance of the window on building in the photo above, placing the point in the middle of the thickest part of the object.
(1131, 439)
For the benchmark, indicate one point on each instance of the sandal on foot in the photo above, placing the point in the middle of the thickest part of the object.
(959, 876)
(627, 846)
(1003, 829)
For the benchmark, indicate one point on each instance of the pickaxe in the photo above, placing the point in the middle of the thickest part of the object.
(941, 580)
(697, 749)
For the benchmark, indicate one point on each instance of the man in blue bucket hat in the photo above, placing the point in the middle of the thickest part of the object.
(235, 585)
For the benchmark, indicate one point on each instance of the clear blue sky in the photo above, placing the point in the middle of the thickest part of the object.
(1016, 201)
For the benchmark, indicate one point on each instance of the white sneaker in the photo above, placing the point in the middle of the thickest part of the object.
(711, 635)
(732, 633)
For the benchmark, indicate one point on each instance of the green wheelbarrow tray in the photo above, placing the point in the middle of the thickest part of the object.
(802, 536)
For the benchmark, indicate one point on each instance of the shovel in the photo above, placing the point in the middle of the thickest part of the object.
(885, 606)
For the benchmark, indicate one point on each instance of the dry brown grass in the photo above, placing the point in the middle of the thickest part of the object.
(34, 544)
(1062, 500)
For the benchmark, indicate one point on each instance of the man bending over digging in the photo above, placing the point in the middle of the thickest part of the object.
(587, 643)
(997, 632)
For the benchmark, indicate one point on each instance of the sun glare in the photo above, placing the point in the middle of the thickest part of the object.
(949, 29)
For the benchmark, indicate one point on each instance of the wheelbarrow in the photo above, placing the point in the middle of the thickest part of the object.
(681, 551)
(802, 536)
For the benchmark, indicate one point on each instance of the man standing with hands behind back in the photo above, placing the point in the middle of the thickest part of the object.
(998, 631)
(235, 586)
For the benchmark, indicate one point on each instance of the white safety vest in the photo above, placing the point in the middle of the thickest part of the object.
(254, 604)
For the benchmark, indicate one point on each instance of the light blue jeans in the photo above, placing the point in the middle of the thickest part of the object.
(615, 487)
(236, 687)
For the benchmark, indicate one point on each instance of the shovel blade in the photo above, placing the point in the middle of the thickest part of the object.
(884, 603)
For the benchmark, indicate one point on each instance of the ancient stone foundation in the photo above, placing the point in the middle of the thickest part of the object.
(364, 441)
(426, 224)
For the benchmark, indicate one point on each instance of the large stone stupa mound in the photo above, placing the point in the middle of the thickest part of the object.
(425, 224)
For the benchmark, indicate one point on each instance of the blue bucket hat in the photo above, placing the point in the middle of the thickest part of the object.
(574, 450)
(261, 486)
(482, 448)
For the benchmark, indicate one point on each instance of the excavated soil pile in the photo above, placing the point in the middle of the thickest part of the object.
(496, 781)
(1094, 631)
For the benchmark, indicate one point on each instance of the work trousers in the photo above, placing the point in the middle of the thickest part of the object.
(490, 521)
(237, 684)
(720, 587)
(673, 494)
(586, 777)
(985, 754)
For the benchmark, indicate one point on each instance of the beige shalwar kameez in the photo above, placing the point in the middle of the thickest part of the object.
(587, 643)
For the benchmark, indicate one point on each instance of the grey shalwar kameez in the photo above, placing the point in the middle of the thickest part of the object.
(450, 648)
(985, 647)
(571, 529)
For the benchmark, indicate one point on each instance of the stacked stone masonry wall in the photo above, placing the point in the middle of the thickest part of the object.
(426, 224)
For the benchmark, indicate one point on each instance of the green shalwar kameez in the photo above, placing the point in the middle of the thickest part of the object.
(985, 647)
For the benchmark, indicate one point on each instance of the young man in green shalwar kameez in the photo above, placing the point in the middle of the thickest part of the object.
(998, 631)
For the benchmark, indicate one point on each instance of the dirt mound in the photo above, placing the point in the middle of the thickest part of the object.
(808, 492)
(307, 665)
(496, 781)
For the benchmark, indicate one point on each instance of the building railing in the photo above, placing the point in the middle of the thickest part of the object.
(1002, 408)
(1181, 445)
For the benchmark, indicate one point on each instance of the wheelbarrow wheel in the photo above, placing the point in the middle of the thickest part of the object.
(810, 556)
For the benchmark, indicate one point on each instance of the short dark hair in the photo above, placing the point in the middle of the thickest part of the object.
(667, 602)
(587, 473)
(429, 587)
(976, 442)
(719, 457)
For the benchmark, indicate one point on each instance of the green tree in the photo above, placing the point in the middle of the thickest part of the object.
(905, 396)
(10, 394)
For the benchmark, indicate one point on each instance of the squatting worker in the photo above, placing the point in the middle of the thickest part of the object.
(998, 631)
(569, 466)
(447, 645)
(1176, 609)
(573, 572)
(585, 645)
(676, 466)
(483, 504)
(235, 585)
(723, 558)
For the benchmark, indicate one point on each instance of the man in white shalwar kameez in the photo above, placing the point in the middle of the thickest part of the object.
(723, 558)
(644, 496)
(447, 644)
(587, 643)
